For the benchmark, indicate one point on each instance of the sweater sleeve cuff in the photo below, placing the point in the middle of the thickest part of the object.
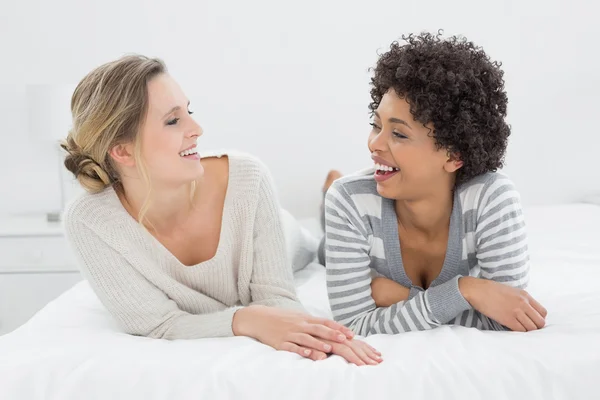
(221, 325)
(446, 301)
(414, 291)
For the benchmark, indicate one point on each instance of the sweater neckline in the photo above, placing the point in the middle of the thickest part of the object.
(391, 238)
(225, 225)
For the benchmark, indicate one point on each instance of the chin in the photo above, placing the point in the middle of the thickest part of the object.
(199, 172)
(191, 174)
(394, 191)
(387, 191)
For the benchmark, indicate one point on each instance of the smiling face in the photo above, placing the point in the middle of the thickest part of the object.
(167, 147)
(169, 134)
(408, 164)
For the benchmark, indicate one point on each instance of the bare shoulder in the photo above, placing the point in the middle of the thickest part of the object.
(214, 164)
(242, 167)
(216, 170)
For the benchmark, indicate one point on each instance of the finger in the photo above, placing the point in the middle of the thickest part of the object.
(317, 355)
(324, 332)
(373, 349)
(348, 354)
(515, 325)
(294, 348)
(309, 341)
(339, 327)
(538, 307)
(535, 316)
(526, 321)
(359, 351)
(371, 352)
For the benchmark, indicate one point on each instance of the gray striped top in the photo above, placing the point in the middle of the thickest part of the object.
(487, 239)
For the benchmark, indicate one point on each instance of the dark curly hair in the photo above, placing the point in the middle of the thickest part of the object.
(453, 84)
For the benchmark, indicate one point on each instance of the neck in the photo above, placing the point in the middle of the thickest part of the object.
(429, 216)
(170, 206)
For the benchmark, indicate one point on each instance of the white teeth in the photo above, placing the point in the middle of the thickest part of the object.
(381, 167)
(188, 152)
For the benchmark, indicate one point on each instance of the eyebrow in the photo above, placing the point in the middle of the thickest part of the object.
(175, 109)
(395, 121)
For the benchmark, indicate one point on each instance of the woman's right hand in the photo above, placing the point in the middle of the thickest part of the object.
(300, 333)
(511, 307)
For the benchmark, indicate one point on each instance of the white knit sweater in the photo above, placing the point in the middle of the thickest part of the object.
(147, 289)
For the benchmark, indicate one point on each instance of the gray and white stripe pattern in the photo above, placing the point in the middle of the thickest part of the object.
(487, 240)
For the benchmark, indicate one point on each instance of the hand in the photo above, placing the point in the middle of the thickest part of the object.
(387, 292)
(356, 352)
(289, 330)
(511, 307)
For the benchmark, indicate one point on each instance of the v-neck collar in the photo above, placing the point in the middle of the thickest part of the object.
(393, 254)
(225, 225)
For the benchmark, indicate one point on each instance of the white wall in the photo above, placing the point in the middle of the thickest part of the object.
(288, 82)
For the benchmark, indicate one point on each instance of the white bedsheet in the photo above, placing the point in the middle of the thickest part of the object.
(72, 349)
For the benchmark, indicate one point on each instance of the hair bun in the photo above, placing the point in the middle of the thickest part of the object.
(88, 172)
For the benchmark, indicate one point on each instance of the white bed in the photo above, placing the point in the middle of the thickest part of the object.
(72, 349)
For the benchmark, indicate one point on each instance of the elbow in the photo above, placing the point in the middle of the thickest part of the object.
(152, 329)
(158, 332)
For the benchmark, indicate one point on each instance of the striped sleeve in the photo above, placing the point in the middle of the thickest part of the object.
(349, 279)
(501, 237)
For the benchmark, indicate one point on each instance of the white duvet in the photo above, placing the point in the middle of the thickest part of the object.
(72, 349)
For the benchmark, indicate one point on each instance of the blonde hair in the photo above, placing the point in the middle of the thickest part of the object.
(108, 108)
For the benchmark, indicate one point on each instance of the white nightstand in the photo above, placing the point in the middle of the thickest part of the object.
(36, 266)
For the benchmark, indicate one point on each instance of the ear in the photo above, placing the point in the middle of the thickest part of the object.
(453, 163)
(123, 155)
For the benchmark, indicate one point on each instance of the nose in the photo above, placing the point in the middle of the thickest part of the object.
(195, 130)
(377, 142)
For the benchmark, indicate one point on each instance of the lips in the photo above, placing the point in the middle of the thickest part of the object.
(381, 161)
(191, 147)
(384, 170)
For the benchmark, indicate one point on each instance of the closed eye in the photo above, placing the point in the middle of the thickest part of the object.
(399, 135)
(374, 126)
(173, 121)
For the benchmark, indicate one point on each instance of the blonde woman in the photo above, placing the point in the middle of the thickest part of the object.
(175, 245)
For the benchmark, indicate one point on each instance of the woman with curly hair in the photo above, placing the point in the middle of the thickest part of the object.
(431, 234)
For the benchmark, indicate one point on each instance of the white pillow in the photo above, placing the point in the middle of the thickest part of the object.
(592, 199)
(301, 246)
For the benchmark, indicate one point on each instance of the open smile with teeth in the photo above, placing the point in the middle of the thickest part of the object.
(189, 152)
(385, 169)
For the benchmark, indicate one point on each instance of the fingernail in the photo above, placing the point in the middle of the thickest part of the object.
(307, 352)
(341, 337)
(327, 347)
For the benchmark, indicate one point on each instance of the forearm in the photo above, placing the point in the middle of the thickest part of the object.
(425, 310)
(181, 325)
(467, 286)
(386, 292)
(281, 299)
(272, 280)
